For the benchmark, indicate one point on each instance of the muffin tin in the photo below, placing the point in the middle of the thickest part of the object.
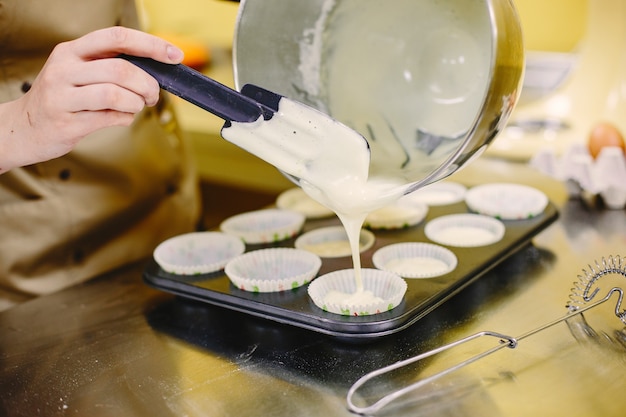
(295, 307)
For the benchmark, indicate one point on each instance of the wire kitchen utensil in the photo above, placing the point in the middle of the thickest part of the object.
(581, 295)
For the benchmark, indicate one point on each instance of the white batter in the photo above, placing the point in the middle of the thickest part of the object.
(358, 298)
(331, 160)
(407, 266)
(439, 71)
(329, 249)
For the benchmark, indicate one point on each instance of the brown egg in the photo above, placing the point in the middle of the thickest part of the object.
(604, 134)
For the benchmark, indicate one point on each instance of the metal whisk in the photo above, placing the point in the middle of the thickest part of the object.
(583, 290)
(582, 293)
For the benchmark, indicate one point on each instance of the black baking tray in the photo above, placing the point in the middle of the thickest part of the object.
(294, 307)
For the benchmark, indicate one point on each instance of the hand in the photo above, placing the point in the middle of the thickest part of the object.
(82, 88)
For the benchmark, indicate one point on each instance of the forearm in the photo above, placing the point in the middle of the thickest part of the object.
(27, 137)
(12, 133)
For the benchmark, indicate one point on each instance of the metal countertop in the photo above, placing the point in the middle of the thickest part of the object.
(115, 347)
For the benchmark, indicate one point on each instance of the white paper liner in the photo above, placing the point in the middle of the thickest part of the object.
(197, 253)
(406, 212)
(506, 201)
(273, 269)
(415, 259)
(296, 199)
(332, 242)
(264, 226)
(465, 230)
(388, 287)
(439, 193)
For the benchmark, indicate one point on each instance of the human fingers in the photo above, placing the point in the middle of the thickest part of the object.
(116, 40)
(114, 72)
(99, 119)
(105, 96)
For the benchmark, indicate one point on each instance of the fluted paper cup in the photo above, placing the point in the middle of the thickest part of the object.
(273, 269)
(465, 230)
(336, 292)
(406, 212)
(439, 193)
(264, 226)
(296, 199)
(415, 259)
(506, 201)
(197, 253)
(332, 241)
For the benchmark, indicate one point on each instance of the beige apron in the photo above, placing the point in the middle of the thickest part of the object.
(110, 201)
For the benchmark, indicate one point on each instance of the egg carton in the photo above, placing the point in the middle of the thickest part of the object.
(585, 176)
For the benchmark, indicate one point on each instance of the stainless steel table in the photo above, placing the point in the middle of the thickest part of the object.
(115, 347)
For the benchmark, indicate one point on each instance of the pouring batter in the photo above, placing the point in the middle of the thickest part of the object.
(329, 160)
(333, 170)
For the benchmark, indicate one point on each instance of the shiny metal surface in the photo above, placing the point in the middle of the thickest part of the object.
(450, 76)
(114, 347)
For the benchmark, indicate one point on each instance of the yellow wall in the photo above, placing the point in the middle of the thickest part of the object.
(552, 25)
(209, 21)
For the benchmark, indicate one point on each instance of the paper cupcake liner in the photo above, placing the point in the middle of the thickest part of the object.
(264, 226)
(439, 193)
(415, 259)
(336, 293)
(506, 201)
(273, 269)
(197, 253)
(465, 230)
(404, 213)
(332, 242)
(296, 199)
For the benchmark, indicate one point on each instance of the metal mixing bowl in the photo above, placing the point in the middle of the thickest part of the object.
(428, 83)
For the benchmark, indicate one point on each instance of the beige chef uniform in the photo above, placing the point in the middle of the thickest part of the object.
(112, 199)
